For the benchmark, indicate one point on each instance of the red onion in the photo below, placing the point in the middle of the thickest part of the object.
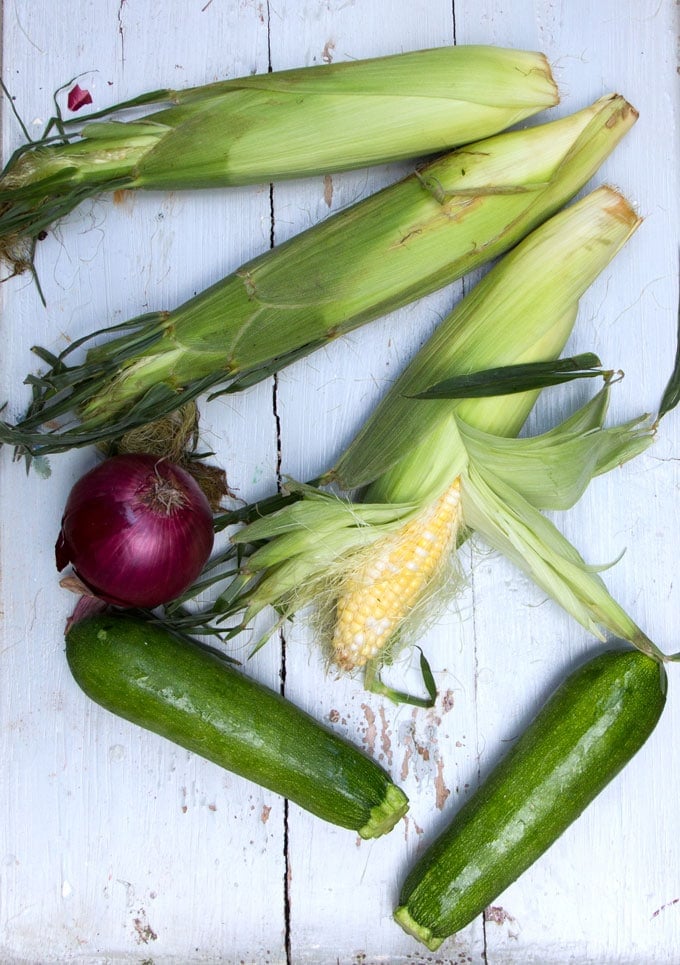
(137, 530)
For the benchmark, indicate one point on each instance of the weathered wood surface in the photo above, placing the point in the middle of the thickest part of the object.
(117, 846)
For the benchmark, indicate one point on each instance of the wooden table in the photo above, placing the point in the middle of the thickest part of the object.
(118, 846)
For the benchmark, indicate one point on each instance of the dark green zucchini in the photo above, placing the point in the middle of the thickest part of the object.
(583, 736)
(178, 689)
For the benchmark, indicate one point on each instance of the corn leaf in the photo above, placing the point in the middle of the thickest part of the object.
(552, 470)
(374, 684)
(671, 395)
(508, 379)
(358, 264)
(265, 127)
(517, 529)
(520, 312)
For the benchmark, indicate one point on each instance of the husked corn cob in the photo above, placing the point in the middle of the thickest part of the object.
(397, 245)
(432, 470)
(375, 599)
(284, 124)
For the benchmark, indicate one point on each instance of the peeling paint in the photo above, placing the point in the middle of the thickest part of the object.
(409, 821)
(145, 932)
(441, 790)
(499, 916)
(422, 755)
(371, 732)
(447, 701)
(328, 189)
(385, 737)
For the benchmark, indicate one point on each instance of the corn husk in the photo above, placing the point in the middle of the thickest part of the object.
(284, 124)
(410, 239)
(412, 450)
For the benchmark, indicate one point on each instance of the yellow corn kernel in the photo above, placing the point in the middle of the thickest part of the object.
(379, 595)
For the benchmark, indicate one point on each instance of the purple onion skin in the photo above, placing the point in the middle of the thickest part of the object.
(137, 530)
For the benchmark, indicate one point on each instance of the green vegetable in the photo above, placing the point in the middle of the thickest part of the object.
(431, 471)
(264, 127)
(177, 688)
(585, 734)
(413, 237)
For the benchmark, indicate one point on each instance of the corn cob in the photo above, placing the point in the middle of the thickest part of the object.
(389, 584)
(436, 469)
(403, 242)
(278, 125)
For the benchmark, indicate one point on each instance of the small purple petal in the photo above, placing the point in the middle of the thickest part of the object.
(77, 98)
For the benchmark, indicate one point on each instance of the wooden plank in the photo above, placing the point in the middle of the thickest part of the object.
(321, 402)
(115, 843)
(595, 895)
(117, 846)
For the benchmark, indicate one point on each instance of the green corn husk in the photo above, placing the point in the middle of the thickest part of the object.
(314, 120)
(411, 451)
(392, 248)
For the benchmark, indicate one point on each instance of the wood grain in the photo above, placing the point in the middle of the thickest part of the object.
(117, 846)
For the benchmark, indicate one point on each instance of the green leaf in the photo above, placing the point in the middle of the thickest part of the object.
(252, 511)
(266, 369)
(552, 470)
(671, 395)
(374, 684)
(518, 530)
(13, 108)
(510, 379)
(428, 678)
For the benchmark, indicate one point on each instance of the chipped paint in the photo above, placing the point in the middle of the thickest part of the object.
(441, 790)
(447, 701)
(405, 763)
(499, 916)
(145, 932)
(335, 717)
(409, 821)
(385, 738)
(328, 190)
(371, 731)
(420, 740)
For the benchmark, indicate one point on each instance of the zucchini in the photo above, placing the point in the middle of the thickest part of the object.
(177, 688)
(582, 737)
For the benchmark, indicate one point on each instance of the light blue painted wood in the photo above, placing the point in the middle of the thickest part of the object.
(118, 847)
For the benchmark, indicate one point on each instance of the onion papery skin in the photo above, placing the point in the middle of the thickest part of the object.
(137, 530)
